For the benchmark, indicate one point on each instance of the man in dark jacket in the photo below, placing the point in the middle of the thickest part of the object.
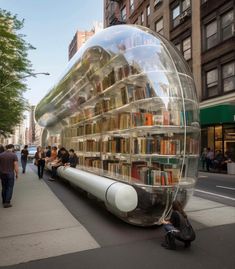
(62, 160)
(73, 159)
(8, 171)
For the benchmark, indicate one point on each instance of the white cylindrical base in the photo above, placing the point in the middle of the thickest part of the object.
(119, 195)
(231, 168)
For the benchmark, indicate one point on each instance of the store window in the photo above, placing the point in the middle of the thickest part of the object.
(218, 138)
(210, 137)
(132, 7)
(227, 25)
(187, 48)
(159, 26)
(229, 142)
(228, 77)
(212, 82)
(123, 14)
(211, 34)
(176, 16)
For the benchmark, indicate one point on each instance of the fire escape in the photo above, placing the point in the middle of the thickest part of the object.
(115, 14)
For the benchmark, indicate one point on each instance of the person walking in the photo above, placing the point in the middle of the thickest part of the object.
(40, 161)
(8, 171)
(24, 158)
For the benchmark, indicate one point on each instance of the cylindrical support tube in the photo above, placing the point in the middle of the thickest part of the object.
(119, 195)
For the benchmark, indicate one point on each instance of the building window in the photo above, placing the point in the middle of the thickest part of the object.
(148, 10)
(220, 29)
(187, 48)
(159, 26)
(142, 18)
(212, 82)
(211, 34)
(180, 12)
(123, 14)
(178, 47)
(227, 25)
(228, 77)
(176, 16)
(156, 2)
(132, 7)
(185, 5)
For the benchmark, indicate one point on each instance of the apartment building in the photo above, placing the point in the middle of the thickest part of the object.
(204, 32)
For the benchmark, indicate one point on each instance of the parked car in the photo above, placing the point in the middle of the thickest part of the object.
(32, 150)
(17, 147)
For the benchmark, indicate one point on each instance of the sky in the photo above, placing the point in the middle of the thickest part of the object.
(50, 26)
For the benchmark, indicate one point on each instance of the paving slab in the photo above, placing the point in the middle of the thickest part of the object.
(209, 213)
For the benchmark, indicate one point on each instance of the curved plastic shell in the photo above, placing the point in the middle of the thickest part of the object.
(128, 106)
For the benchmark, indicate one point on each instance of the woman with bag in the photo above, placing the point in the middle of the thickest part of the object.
(40, 161)
(178, 227)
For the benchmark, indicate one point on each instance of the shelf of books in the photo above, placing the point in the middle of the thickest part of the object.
(130, 132)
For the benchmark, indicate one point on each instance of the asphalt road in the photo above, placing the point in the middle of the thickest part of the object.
(216, 187)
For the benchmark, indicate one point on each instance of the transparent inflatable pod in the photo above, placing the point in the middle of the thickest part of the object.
(128, 106)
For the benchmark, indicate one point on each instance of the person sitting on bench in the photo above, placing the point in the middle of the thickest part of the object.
(62, 160)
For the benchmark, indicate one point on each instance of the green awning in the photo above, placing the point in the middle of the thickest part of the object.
(217, 114)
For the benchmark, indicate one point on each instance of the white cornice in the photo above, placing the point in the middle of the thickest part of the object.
(225, 99)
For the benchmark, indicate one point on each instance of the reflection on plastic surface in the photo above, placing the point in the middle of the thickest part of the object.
(127, 104)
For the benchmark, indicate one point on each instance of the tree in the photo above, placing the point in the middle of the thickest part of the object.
(13, 66)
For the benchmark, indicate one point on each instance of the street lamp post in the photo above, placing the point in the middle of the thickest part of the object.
(26, 76)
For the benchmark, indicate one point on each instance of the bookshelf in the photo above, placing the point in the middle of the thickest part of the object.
(127, 128)
(128, 107)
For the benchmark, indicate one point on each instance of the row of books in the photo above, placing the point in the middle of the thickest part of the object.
(150, 144)
(94, 162)
(115, 75)
(138, 171)
(121, 170)
(153, 176)
(116, 145)
(157, 177)
(92, 145)
(124, 119)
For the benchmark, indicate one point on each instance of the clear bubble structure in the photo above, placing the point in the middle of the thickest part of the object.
(128, 106)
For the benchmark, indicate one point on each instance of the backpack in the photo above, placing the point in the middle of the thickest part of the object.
(187, 232)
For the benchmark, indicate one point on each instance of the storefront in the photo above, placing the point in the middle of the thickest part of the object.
(218, 129)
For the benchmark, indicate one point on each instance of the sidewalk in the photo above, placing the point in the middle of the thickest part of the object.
(38, 225)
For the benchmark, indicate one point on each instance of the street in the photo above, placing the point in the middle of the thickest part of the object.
(216, 187)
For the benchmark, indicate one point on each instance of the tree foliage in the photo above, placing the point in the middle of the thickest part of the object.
(14, 65)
